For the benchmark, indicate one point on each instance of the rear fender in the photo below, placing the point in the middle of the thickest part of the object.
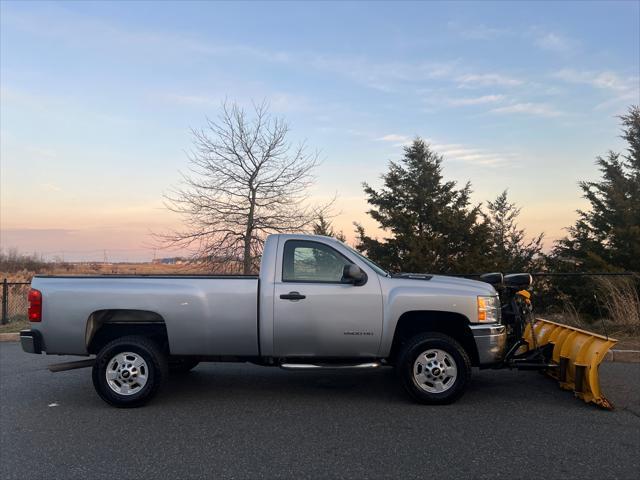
(104, 326)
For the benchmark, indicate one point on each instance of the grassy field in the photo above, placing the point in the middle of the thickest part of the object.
(103, 268)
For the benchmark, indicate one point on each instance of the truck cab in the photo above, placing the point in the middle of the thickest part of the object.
(317, 309)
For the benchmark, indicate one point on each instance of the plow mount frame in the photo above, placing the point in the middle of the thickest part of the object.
(531, 359)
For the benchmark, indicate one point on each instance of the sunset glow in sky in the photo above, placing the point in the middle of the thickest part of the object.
(97, 99)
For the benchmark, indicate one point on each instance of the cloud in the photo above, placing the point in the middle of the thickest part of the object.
(455, 151)
(69, 26)
(536, 109)
(487, 79)
(553, 42)
(393, 137)
(43, 153)
(189, 100)
(477, 32)
(624, 89)
(50, 187)
(469, 155)
(172, 46)
(58, 107)
(482, 100)
(542, 38)
(605, 79)
(383, 76)
(280, 102)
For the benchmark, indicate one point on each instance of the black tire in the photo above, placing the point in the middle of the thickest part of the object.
(421, 343)
(156, 370)
(179, 365)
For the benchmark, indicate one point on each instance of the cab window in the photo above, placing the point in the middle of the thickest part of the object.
(305, 261)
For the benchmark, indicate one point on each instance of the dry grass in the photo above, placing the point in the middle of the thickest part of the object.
(13, 327)
(571, 316)
(619, 303)
(100, 269)
(620, 300)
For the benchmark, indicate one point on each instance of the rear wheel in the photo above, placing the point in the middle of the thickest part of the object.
(434, 368)
(182, 364)
(129, 371)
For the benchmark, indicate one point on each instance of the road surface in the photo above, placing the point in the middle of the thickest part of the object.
(244, 421)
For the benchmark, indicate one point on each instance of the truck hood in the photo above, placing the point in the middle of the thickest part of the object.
(443, 282)
(458, 282)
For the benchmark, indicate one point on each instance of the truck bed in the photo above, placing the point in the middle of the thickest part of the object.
(203, 314)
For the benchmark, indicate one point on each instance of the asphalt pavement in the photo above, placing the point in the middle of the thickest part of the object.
(244, 421)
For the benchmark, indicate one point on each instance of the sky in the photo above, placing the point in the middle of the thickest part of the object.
(97, 100)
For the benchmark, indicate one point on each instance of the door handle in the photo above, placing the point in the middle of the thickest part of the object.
(294, 296)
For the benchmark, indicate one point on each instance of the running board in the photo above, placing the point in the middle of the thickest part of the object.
(61, 367)
(329, 366)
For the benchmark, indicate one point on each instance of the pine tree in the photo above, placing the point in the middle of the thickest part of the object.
(322, 226)
(607, 236)
(432, 225)
(508, 249)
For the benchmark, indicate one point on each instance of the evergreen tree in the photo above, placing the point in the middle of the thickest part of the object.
(322, 226)
(607, 236)
(508, 249)
(432, 225)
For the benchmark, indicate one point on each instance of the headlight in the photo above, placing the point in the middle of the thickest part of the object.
(488, 309)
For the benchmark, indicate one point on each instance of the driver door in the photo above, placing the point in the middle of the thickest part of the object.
(316, 313)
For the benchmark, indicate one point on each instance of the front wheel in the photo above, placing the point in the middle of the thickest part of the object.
(434, 368)
(129, 371)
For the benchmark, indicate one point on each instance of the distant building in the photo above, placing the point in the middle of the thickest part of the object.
(170, 261)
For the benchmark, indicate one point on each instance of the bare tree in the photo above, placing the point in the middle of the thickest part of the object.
(245, 180)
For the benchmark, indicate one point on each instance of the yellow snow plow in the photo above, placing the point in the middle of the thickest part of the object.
(568, 354)
(577, 354)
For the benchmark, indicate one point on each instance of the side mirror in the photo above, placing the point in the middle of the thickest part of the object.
(353, 274)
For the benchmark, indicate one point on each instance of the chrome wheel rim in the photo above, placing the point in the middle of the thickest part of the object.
(127, 373)
(435, 371)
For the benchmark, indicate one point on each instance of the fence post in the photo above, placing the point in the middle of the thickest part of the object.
(5, 298)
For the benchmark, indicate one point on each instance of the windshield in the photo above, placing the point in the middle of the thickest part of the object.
(378, 269)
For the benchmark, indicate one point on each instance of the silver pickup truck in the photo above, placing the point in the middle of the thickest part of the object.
(317, 303)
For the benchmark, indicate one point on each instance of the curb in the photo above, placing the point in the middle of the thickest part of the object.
(623, 356)
(9, 337)
(618, 356)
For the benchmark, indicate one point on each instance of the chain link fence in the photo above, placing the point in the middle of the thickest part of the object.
(14, 301)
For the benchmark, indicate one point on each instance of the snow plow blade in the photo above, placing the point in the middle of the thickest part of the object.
(577, 353)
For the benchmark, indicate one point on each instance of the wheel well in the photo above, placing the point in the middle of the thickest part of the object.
(453, 324)
(103, 326)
